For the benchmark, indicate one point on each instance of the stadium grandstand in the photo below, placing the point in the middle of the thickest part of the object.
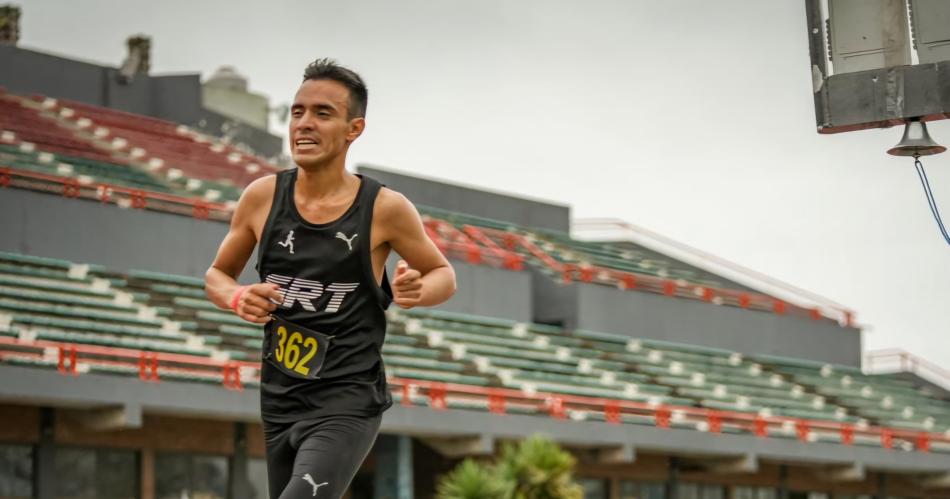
(665, 377)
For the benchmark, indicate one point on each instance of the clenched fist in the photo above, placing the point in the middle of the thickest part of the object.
(407, 286)
(254, 303)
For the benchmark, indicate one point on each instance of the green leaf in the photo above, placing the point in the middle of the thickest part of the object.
(472, 480)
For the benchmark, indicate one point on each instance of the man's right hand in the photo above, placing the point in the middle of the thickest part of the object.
(257, 301)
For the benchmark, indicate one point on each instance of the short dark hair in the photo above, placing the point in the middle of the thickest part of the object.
(328, 69)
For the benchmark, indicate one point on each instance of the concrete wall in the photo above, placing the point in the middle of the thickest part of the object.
(487, 291)
(175, 98)
(471, 200)
(29, 72)
(648, 315)
(120, 239)
(553, 302)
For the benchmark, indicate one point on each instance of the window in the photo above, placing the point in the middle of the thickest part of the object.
(257, 478)
(179, 476)
(594, 488)
(754, 493)
(95, 473)
(642, 490)
(16, 471)
(807, 495)
(699, 491)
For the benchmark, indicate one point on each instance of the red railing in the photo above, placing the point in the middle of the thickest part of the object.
(151, 366)
(470, 245)
(148, 364)
(558, 406)
(893, 360)
(113, 194)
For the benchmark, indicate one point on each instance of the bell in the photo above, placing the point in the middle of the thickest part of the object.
(916, 141)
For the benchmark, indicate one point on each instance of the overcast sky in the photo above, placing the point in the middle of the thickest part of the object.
(690, 118)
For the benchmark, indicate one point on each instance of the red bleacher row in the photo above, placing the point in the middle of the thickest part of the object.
(474, 244)
(31, 127)
(152, 365)
(162, 139)
(108, 135)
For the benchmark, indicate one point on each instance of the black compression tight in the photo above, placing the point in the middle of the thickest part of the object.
(317, 457)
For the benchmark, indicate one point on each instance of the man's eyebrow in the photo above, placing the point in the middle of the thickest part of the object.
(319, 107)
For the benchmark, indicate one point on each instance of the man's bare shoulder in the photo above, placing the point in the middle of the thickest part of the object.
(393, 205)
(259, 192)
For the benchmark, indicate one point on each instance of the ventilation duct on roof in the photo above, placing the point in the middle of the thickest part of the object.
(138, 60)
(9, 24)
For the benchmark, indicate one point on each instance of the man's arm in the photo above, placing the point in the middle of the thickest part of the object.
(423, 277)
(251, 303)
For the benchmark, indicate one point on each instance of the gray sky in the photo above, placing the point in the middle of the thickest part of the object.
(691, 118)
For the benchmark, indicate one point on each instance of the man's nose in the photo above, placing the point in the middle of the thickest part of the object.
(304, 123)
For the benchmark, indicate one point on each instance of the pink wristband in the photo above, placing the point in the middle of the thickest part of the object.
(236, 297)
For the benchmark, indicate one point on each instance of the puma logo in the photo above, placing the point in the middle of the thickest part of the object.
(349, 241)
(309, 479)
(289, 242)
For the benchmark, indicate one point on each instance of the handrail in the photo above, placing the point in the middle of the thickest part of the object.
(109, 193)
(151, 365)
(513, 261)
(906, 362)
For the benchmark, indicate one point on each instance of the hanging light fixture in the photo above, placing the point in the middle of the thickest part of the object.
(916, 141)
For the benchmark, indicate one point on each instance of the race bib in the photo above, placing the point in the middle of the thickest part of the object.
(295, 350)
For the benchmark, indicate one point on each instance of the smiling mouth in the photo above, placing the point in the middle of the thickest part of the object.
(305, 144)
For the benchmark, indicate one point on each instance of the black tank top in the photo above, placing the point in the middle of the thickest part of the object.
(325, 272)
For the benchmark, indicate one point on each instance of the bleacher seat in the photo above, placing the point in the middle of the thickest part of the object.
(57, 300)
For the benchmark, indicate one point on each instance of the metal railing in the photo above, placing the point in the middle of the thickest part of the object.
(152, 366)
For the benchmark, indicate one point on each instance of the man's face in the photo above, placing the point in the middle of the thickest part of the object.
(319, 127)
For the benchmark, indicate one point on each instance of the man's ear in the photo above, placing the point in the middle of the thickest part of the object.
(357, 125)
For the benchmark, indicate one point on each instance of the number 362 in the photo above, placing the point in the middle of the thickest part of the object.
(288, 350)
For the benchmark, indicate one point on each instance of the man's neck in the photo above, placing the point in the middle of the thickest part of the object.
(324, 181)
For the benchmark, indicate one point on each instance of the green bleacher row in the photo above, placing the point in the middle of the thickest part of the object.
(109, 173)
(57, 300)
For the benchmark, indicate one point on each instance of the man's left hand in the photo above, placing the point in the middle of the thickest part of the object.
(407, 286)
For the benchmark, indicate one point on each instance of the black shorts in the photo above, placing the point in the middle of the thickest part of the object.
(317, 457)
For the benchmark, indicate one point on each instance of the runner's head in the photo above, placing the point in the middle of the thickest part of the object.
(327, 115)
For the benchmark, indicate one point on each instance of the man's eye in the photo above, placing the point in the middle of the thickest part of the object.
(323, 113)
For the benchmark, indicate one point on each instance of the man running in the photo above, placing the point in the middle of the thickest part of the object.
(323, 237)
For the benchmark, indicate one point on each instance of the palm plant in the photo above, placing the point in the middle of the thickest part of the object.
(471, 480)
(537, 468)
